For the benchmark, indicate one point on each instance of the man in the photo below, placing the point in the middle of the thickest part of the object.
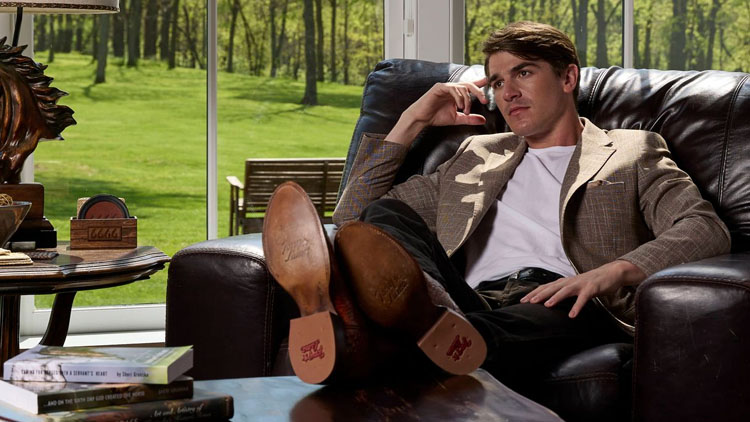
(551, 218)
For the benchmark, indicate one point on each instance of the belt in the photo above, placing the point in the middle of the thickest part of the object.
(534, 272)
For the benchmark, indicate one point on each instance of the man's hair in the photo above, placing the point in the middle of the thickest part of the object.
(534, 41)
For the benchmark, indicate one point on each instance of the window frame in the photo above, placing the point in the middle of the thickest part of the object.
(404, 38)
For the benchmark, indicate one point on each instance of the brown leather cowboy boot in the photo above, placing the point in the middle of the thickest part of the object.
(329, 341)
(393, 292)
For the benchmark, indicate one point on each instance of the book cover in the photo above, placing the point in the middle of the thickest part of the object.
(150, 365)
(203, 405)
(45, 397)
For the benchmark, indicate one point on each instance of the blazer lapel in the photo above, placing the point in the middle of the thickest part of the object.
(485, 182)
(588, 158)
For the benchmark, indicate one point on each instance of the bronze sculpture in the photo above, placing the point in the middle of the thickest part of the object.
(28, 109)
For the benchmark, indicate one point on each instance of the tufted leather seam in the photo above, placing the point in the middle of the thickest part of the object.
(719, 280)
(597, 85)
(456, 74)
(598, 376)
(727, 128)
(268, 328)
(211, 251)
(355, 141)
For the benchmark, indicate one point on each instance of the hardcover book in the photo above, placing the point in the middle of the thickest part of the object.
(203, 405)
(150, 365)
(45, 397)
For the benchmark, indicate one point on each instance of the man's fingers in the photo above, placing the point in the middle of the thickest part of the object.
(477, 92)
(471, 119)
(481, 82)
(580, 302)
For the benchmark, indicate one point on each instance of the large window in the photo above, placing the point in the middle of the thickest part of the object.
(595, 26)
(264, 108)
(692, 34)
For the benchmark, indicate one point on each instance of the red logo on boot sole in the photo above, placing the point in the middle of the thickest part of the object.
(312, 351)
(458, 347)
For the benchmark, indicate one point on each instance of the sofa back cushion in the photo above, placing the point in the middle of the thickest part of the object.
(704, 117)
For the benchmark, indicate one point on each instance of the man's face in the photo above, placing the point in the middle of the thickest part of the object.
(529, 93)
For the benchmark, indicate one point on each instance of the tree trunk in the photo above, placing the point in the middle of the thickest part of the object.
(151, 30)
(51, 57)
(40, 32)
(80, 22)
(134, 33)
(234, 10)
(165, 9)
(580, 23)
(333, 41)
(94, 39)
(101, 48)
(715, 6)
(346, 42)
(192, 41)
(601, 34)
(677, 40)
(118, 32)
(174, 35)
(319, 43)
(311, 88)
(647, 46)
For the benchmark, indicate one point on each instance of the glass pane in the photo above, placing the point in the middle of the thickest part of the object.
(141, 133)
(696, 34)
(262, 81)
(595, 26)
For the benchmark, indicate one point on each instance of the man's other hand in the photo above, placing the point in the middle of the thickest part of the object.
(445, 104)
(597, 282)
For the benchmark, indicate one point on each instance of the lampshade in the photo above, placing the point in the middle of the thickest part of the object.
(61, 6)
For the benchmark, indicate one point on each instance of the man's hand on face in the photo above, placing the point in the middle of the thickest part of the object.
(597, 282)
(445, 104)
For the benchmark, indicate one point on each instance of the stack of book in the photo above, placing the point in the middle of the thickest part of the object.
(48, 383)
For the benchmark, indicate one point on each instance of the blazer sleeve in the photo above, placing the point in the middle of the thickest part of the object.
(685, 226)
(373, 171)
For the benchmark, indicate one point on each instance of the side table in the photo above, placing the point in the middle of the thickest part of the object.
(67, 273)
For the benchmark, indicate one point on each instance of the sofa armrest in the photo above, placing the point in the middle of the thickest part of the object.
(222, 300)
(692, 342)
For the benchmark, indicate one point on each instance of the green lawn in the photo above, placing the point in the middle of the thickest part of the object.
(142, 136)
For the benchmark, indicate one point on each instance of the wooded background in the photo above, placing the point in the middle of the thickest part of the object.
(341, 40)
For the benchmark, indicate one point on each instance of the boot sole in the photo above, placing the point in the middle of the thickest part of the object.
(390, 288)
(297, 256)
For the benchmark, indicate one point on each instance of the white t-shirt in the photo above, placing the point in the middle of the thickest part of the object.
(522, 228)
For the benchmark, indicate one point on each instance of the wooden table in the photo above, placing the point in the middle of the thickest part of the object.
(67, 273)
(474, 397)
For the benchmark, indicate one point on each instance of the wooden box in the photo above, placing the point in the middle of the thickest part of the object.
(104, 233)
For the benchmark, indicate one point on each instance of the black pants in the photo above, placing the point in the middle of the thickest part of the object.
(524, 341)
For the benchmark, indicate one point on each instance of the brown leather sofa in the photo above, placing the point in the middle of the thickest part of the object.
(691, 354)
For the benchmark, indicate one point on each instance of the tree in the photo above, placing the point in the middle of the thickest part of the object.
(118, 32)
(134, 32)
(51, 57)
(601, 34)
(677, 41)
(311, 88)
(580, 25)
(172, 62)
(151, 30)
(333, 41)
(715, 6)
(101, 48)
(346, 41)
(319, 43)
(234, 11)
(165, 8)
(277, 40)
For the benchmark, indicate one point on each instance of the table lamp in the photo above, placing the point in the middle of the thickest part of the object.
(29, 112)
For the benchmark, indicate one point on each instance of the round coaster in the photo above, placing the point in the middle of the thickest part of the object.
(103, 206)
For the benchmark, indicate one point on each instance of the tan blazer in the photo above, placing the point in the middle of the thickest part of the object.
(622, 198)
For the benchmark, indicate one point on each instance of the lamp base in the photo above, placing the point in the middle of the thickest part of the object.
(35, 227)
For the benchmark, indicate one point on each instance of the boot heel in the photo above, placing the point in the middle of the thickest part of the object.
(313, 346)
(453, 344)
